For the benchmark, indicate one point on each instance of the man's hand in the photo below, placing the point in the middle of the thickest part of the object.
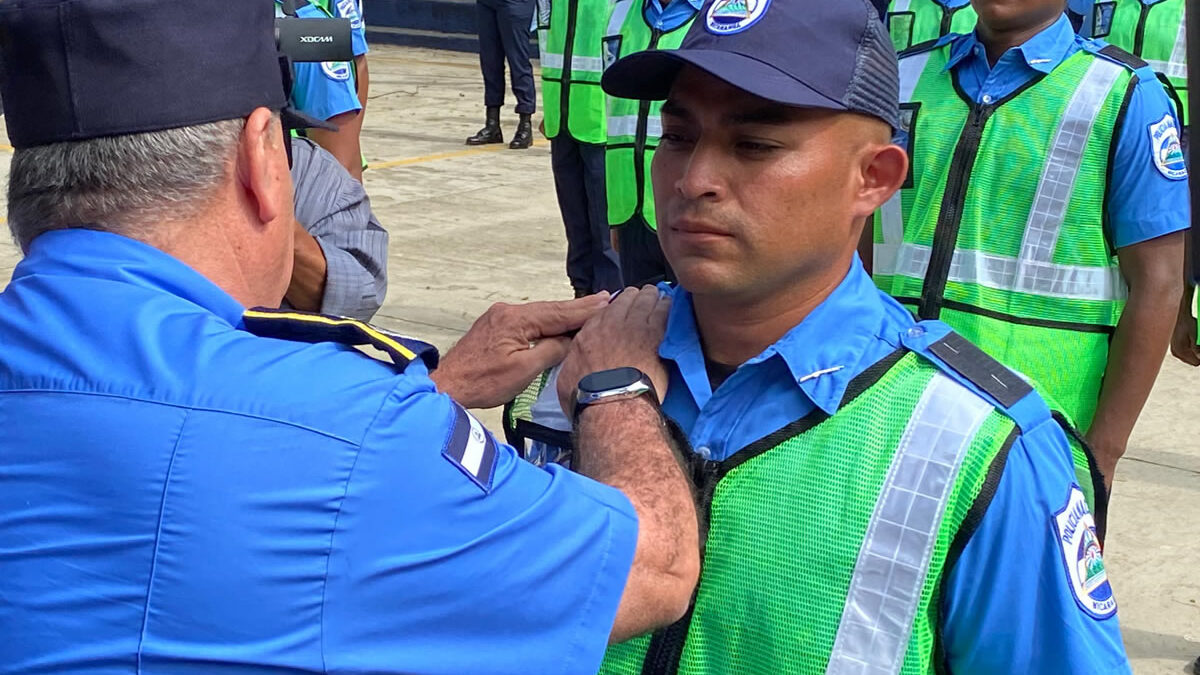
(1183, 339)
(509, 346)
(626, 333)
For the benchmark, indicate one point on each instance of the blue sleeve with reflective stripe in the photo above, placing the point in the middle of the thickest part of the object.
(452, 555)
(1148, 192)
(1012, 602)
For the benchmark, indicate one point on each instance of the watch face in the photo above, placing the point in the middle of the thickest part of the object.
(607, 380)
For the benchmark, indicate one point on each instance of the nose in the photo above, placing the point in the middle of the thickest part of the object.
(703, 172)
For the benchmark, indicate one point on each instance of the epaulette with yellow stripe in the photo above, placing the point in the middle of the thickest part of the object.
(286, 324)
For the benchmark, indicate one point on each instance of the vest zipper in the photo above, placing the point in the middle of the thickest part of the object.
(1140, 35)
(945, 237)
(564, 85)
(639, 141)
(666, 647)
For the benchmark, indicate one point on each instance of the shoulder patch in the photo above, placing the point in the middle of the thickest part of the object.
(1080, 546)
(338, 71)
(1166, 149)
(348, 9)
(980, 369)
(285, 324)
(471, 448)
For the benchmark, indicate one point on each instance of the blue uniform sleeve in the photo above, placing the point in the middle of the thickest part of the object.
(348, 9)
(451, 555)
(1029, 593)
(325, 90)
(1148, 193)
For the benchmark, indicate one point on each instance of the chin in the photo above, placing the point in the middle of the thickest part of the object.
(703, 276)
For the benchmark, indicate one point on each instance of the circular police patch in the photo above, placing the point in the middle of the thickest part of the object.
(1080, 548)
(338, 71)
(726, 17)
(1166, 148)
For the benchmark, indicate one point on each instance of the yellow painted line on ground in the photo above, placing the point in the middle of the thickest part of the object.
(6, 148)
(449, 155)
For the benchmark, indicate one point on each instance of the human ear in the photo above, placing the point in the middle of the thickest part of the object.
(259, 152)
(884, 168)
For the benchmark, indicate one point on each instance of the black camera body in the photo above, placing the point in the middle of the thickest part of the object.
(312, 40)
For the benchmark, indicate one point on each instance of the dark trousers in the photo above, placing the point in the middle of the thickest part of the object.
(504, 35)
(592, 264)
(642, 259)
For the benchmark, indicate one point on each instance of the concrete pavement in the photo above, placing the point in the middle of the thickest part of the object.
(473, 226)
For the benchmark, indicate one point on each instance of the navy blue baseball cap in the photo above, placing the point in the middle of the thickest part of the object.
(832, 54)
(79, 69)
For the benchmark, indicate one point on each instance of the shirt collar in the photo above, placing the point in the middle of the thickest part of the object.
(1042, 52)
(823, 353)
(102, 255)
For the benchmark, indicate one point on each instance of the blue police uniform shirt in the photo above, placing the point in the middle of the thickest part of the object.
(180, 496)
(323, 90)
(1142, 203)
(675, 14)
(1008, 604)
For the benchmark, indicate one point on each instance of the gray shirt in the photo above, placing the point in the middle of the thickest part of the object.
(335, 209)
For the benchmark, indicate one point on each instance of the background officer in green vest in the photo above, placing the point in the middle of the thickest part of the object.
(882, 497)
(633, 131)
(571, 33)
(1048, 226)
(911, 22)
(1154, 30)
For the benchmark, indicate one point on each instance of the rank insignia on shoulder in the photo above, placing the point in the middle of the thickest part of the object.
(471, 448)
(286, 324)
(982, 370)
(1075, 530)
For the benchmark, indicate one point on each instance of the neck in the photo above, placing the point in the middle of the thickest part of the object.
(734, 330)
(996, 42)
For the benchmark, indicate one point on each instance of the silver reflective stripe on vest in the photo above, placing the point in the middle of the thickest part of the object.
(901, 6)
(1068, 282)
(891, 215)
(885, 591)
(626, 125)
(1177, 66)
(582, 64)
(1063, 161)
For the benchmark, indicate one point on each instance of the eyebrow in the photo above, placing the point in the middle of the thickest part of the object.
(774, 115)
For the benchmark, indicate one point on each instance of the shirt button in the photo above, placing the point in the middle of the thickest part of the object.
(987, 98)
(916, 332)
(704, 451)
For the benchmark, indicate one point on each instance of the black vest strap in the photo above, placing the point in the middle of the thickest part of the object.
(981, 370)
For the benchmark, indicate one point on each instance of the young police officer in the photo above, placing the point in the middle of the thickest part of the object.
(1046, 226)
(882, 496)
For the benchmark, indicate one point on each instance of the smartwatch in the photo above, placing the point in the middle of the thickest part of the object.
(617, 384)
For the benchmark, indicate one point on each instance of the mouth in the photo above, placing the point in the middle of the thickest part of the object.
(693, 228)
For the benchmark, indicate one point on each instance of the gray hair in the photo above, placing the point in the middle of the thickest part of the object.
(118, 184)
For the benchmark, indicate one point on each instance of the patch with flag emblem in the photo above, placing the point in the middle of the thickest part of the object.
(471, 448)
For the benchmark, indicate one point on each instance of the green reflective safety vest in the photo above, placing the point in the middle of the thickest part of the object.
(634, 127)
(911, 22)
(571, 68)
(1155, 32)
(804, 536)
(999, 230)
